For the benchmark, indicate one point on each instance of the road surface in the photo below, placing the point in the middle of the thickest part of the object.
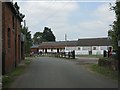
(48, 72)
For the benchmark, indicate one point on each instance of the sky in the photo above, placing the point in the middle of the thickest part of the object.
(75, 18)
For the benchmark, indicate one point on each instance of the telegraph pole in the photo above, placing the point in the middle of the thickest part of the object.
(65, 37)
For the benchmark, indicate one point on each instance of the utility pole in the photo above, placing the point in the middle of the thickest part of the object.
(65, 37)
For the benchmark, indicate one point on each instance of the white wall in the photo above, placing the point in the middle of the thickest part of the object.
(53, 50)
(81, 50)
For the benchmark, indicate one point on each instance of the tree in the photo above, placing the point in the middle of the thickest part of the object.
(28, 40)
(48, 35)
(37, 38)
(115, 32)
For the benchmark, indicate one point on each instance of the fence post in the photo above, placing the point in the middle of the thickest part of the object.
(104, 53)
(73, 54)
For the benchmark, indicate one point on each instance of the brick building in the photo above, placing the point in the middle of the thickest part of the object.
(12, 50)
(0, 39)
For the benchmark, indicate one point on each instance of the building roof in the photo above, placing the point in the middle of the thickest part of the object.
(81, 42)
(58, 44)
(94, 42)
(35, 46)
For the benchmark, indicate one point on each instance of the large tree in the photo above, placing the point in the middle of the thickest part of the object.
(48, 35)
(37, 38)
(28, 39)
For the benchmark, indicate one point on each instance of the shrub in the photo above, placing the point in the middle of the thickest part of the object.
(108, 62)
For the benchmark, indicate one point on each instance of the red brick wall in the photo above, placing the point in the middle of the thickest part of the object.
(12, 54)
(0, 38)
(9, 52)
(18, 44)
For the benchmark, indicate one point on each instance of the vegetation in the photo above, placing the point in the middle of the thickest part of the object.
(105, 71)
(109, 63)
(37, 38)
(9, 78)
(28, 39)
(115, 32)
(46, 35)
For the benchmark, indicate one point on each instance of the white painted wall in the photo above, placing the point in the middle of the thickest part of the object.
(81, 50)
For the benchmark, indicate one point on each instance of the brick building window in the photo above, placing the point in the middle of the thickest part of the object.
(13, 22)
(9, 38)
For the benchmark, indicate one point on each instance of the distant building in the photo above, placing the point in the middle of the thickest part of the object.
(12, 43)
(56, 47)
(89, 46)
(34, 49)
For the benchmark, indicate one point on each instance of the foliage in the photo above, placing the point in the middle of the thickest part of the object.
(115, 32)
(28, 40)
(48, 35)
(9, 78)
(109, 63)
(37, 39)
(27, 61)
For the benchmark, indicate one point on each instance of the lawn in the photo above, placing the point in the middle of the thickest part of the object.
(91, 56)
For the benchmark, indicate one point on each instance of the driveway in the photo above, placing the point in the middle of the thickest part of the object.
(48, 72)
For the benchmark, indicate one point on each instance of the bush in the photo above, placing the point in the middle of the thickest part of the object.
(108, 62)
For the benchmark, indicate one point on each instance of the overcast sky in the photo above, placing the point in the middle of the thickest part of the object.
(77, 19)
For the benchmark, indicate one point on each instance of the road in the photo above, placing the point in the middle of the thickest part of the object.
(48, 72)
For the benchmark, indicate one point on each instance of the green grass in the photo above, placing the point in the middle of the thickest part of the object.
(10, 77)
(92, 56)
(105, 71)
(27, 61)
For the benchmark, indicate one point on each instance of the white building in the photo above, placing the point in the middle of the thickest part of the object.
(88, 46)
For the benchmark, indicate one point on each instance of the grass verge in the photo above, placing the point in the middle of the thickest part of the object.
(105, 71)
(90, 56)
(9, 78)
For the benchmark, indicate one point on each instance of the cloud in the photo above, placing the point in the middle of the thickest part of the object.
(55, 15)
(103, 13)
(41, 14)
(99, 26)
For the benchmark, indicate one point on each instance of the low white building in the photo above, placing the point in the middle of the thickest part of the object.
(90, 46)
(56, 47)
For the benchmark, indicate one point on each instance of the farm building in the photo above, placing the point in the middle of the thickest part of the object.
(88, 46)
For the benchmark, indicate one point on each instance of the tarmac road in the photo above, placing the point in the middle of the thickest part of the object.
(48, 72)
